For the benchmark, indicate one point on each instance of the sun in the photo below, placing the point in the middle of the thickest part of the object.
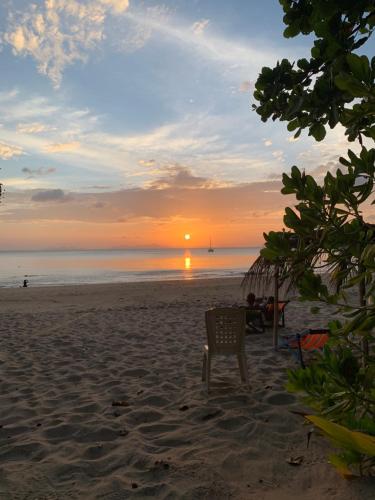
(187, 236)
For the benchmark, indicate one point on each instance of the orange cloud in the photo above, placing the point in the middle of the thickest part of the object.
(32, 128)
(62, 147)
(7, 151)
(182, 203)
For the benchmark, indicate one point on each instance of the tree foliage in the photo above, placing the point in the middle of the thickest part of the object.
(318, 92)
(327, 228)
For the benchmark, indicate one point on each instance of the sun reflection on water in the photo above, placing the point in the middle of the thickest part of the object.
(187, 265)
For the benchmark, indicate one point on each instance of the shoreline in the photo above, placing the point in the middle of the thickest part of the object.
(122, 283)
(118, 283)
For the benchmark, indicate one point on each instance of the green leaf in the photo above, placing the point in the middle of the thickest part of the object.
(351, 85)
(303, 64)
(293, 125)
(318, 131)
(345, 438)
(291, 31)
(360, 67)
(315, 52)
(341, 466)
(344, 161)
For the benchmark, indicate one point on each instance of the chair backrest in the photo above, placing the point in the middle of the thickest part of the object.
(282, 305)
(226, 327)
(314, 340)
(268, 311)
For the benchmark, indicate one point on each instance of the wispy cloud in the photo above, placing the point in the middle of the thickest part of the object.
(20, 184)
(246, 86)
(178, 194)
(334, 145)
(278, 154)
(147, 163)
(37, 172)
(8, 151)
(133, 32)
(58, 33)
(51, 195)
(180, 177)
(292, 138)
(199, 27)
(240, 59)
(62, 147)
(14, 107)
(32, 128)
(331, 166)
(216, 144)
(6, 96)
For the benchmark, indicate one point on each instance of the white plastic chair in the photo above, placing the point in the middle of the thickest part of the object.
(226, 327)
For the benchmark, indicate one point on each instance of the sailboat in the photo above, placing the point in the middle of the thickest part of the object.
(210, 249)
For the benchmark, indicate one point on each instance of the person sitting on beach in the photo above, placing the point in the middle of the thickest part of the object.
(250, 299)
(253, 306)
(25, 282)
(254, 302)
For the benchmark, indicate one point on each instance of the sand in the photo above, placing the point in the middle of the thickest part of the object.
(101, 398)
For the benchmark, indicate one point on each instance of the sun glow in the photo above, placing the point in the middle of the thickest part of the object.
(187, 236)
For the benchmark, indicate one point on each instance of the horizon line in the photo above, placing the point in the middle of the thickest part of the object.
(72, 249)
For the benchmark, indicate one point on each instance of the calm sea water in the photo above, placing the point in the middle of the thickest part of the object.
(116, 266)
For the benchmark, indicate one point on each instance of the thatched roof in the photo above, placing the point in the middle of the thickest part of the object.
(260, 277)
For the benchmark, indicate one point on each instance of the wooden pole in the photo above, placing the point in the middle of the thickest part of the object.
(362, 302)
(276, 309)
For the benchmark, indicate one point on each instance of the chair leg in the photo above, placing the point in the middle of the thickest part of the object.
(204, 367)
(262, 325)
(243, 368)
(240, 366)
(208, 371)
(300, 354)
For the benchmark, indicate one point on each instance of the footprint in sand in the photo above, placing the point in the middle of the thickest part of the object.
(157, 429)
(136, 372)
(144, 416)
(157, 401)
(60, 432)
(96, 451)
(281, 398)
(30, 451)
(231, 424)
(97, 435)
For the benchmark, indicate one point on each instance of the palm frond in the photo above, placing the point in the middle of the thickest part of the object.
(260, 278)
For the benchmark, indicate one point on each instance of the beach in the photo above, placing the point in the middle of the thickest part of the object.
(101, 398)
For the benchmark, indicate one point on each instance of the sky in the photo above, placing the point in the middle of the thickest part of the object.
(128, 123)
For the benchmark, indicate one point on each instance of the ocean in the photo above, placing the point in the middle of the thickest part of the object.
(46, 268)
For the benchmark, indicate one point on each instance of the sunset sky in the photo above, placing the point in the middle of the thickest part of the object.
(129, 123)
